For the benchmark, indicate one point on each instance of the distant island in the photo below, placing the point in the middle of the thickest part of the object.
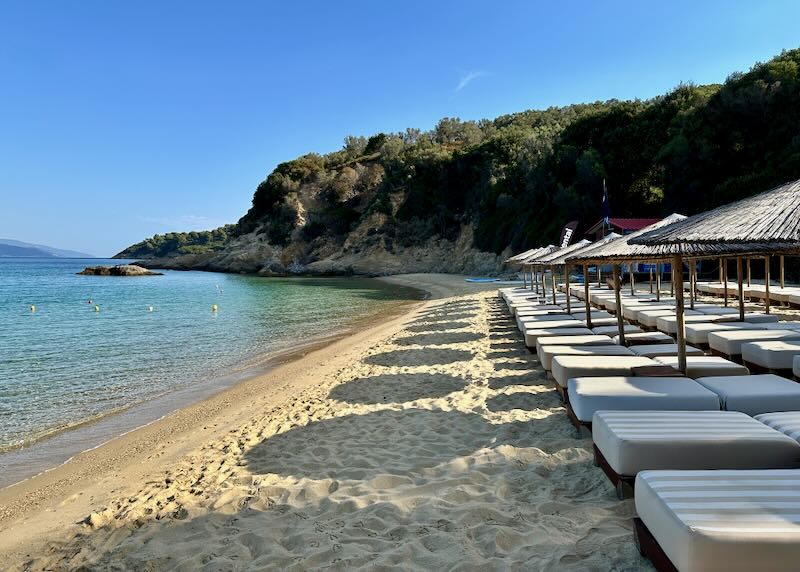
(461, 197)
(18, 249)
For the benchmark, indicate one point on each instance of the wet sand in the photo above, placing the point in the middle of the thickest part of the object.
(431, 440)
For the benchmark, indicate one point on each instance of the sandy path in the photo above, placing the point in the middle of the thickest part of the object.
(430, 442)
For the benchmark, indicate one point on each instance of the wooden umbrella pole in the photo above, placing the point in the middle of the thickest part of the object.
(677, 272)
(720, 271)
(766, 283)
(651, 278)
(725, 281)
(658, 282)
(630, 276)
(553, 282)
(672, 283)
(620, 323)
(692, 271)
(524, 278)
(782, 269)
(586, 295)
(566, 283)
(740, 280)
(748, 272)
(599, 276)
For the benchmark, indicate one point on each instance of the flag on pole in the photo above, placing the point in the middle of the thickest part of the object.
(606, 210)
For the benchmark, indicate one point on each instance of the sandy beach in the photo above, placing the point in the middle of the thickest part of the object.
(431, 440)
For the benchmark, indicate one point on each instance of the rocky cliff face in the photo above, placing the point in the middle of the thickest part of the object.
(362, 253)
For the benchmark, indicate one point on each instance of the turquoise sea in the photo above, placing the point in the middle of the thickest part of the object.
(138, 347)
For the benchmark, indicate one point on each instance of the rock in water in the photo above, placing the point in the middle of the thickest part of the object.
(119, 270)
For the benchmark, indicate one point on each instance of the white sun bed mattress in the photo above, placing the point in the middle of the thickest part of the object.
(723, 521)
(662, 350)
(532, 335)
(613, 330)
(787, 422)
(635, 441)
(730, 342)
(547, 353)
(706, 366)
(754, 394)
(565, 368)
(697, 334)
(624, 393)
(772, 354)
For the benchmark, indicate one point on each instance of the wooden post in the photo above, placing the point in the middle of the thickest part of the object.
(720, 271)
(658, 282)
(692, 275)
(566, 283)
(553, 282)
(725, 281)
(782, 269)
(677, 272)
(748, 272)
(766, 282)
(620, 322)
(672, 283)
(599, 276)
(740, 279)
(586, 295)
(651, 277)
(524, 278)
(633, 284)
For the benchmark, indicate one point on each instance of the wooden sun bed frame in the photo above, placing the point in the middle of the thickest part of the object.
(649, 548)
(623, 484)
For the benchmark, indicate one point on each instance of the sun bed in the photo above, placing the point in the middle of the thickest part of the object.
(773, 356)
(611, 330)
(645, 338)
(565, 368)
(586, 395)
(661, 350)
(787, 422)
(628, 442)
(631, 311)
(715, 521)
(754, 394)
(796, 367)
(706, 366)
(669, 324)
(547, 353)
(697, 334)
(531, 335)
(649, 318)
(782, 326)
(589, 340)
(729, 344)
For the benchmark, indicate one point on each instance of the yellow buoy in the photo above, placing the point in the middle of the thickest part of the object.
(96, 308)
(33, 308)
(214, 307)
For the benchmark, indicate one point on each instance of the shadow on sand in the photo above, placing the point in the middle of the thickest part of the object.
(423, 356)
(397, 388)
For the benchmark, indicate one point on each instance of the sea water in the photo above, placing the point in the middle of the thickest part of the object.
(85, 357)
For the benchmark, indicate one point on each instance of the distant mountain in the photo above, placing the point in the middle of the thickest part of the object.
(16, 248)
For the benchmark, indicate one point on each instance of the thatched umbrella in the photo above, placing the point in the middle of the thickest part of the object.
(561, 260)
(530, 261)
(555, 258)
(519, 260)
(764, 224)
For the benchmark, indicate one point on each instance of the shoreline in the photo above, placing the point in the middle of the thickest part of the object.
(88, 479)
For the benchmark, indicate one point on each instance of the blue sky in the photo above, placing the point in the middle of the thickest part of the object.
(121, 120)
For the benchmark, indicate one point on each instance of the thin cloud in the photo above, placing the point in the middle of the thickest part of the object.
(468, 78)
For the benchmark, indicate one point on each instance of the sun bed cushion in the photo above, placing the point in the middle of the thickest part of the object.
(630, 311)
(612, 330)
(772, 354)
(730, 343)
(624, 393)
(796, 366)
(646, 337)
(706, 366)
(669, 324)
(547, 353)
(533, 334)
(589, 340)
(787, 422)
(660, 350)
(566, 367)
(720, 311)
(759, 318)
(783, 326)
(634, 441)
(754, 394)
(534, 311)
(723, 521)
(698, 333)
(650, 318)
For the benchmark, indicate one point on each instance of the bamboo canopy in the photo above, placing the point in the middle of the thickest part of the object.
(561, 259)
(532, 259)
(552, 258)
(767, 222)
(518, 258)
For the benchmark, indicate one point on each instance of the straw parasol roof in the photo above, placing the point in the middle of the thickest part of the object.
(544, 251)
(549, 259)
(562, 258)
(769, 221)
(517, 258)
